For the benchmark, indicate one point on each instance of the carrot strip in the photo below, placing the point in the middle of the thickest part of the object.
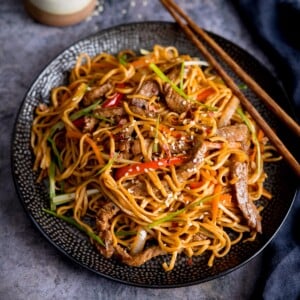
(196, 184)
(215, 202)
(79, 135)
(226, 199)
(142, 62)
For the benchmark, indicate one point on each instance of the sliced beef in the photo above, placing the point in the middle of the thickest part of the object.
(141, 105)
(229, 111)
(140, 258)
(247, 207)
(192, 166)
(234, 133)
(96, 92)
(89, 124)
(103, 222)
(136, 146)
(123, 141)
(174, 101)
(105, 214)
(110, 112)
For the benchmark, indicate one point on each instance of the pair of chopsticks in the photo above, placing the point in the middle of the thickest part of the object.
(192, 31)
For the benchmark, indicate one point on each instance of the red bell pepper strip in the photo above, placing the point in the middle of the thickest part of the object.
(204, 94)
(79, 123)
(113, 101)
(140, 168)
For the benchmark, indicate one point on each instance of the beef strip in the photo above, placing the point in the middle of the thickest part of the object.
(140, 258)
(234, 133)
(247, 207)
(104, 216)
(192, 166)
(142, 106)
(89, 124)
(96, 92)
(110, 112)
(136, 148)
(174, 101)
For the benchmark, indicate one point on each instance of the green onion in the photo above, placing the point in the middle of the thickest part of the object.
(65, 198)
(55, 152)
(71, 221)
(163, 77)
(123, 60)
(83, 112)
(125, 233)
(242, 86)
(174, 214)
(52, 192)
(181, 76)
(155, 145)
(104, 119)
(144, 51)
(109, 164)
(178, 90)
(253, 135)
(167, 218)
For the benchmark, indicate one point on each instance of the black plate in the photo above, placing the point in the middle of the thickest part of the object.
(75, 245)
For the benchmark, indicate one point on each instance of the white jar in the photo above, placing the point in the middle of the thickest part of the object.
(59, 12)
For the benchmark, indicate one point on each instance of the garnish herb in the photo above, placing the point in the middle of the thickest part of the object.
(73, 222)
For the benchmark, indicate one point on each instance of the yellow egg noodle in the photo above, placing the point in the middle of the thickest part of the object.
(156, 152)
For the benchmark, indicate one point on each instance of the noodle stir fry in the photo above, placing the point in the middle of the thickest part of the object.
(151, 154)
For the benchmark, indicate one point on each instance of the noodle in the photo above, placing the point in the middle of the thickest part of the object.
(141, 160)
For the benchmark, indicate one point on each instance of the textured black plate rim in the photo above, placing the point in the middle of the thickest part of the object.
(60, 249)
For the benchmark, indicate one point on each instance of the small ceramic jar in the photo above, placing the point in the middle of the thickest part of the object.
(59, 12)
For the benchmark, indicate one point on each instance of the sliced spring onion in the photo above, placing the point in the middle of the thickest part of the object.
(65, 198)
(139, 242)
(155, 144)
(178, 90)
(83, 112)
(109, 164)
(71, 221)
(172, 215)
(56, 153)
(52, 192)
(167, 218)
(104, 119)
(144, 51)
(242, 86)
(125, 233)
(255, 141)
(196, 62)
(166, 79)
(181, 75)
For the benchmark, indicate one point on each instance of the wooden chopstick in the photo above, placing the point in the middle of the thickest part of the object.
(252, 84)
(176, 12)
